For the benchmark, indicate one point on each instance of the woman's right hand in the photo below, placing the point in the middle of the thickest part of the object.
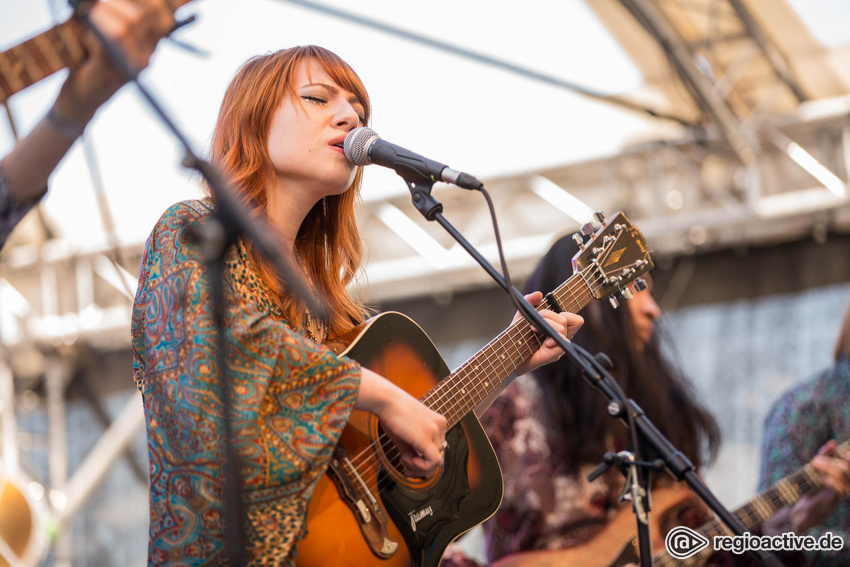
(417, 431)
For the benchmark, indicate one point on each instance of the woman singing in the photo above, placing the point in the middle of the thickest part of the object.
(278, 139)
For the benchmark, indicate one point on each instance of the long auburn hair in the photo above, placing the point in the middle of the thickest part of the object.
(328, 241)
(578, 412)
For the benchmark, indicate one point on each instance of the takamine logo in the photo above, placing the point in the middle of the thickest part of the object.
(418, 515)
(682, 542)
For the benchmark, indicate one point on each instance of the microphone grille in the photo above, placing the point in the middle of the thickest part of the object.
(356, 145)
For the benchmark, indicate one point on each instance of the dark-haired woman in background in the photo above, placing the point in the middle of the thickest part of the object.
(551, 428)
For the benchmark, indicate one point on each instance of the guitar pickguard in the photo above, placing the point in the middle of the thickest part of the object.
(420, 515)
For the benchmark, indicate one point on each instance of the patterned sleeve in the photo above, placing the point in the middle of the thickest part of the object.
(11, 211)
(794, 430)
(290, 400)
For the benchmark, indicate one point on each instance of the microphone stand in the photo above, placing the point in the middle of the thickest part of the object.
(214, 236)
(599, 377)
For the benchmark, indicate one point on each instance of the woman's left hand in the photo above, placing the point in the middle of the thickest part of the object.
(566, 324)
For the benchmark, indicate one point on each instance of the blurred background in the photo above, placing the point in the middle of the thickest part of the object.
(720, 127)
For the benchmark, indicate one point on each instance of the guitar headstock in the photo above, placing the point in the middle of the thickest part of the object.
(614, 256)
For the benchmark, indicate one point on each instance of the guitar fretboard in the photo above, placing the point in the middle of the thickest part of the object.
(466, 387)
(41, 56)
(786, 492)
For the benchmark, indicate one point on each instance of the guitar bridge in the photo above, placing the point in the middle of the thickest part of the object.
(357, 495)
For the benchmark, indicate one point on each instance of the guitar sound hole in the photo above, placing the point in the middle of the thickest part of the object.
(390, 457)
(390, 454)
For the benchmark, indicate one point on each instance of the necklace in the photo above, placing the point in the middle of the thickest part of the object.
(316, 327)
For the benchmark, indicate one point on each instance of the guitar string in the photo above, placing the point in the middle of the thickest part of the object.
(515, 338)
(369, 458)
(518, 342)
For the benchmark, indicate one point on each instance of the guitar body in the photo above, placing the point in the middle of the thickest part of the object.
(420, 517)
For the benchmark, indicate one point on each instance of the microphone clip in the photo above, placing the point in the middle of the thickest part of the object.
(420, 194)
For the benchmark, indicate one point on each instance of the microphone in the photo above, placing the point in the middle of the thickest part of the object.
(363, 146)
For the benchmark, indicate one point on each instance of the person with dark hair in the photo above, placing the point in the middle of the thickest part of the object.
(278, 139)
(551, 428)
(133, 26)
(804, 425)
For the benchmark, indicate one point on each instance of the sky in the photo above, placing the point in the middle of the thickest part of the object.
(471, 116)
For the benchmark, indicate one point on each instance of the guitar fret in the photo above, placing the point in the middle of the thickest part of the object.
(787, 492)
(68, 35)
(571, 296)
(28, 57)
(809, 479)
(15, 68)
(489, 367)
(761, 507)
(748, 516)
(5, 79)
(49, 52)
(485, 371)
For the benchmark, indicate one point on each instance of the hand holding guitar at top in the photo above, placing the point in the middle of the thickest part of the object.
(564, 323)
(133, 26)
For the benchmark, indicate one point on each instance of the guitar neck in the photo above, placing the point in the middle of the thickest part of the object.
(786, 492)
(41, 56)
(462, 391)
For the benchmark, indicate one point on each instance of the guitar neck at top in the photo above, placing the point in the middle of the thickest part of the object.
(41, 56)
(615, 256)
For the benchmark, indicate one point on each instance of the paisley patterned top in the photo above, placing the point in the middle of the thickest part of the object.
(798, 424)
(290, 398)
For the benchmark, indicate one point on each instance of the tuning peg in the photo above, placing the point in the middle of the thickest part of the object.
(640, 284)
(627, 293)
(578, 240)
(587, 229)
(600, 216)
(613, 301)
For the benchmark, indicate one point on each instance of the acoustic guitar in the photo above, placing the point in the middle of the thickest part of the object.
(617, 546)
(41, 56)
(364, 510)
